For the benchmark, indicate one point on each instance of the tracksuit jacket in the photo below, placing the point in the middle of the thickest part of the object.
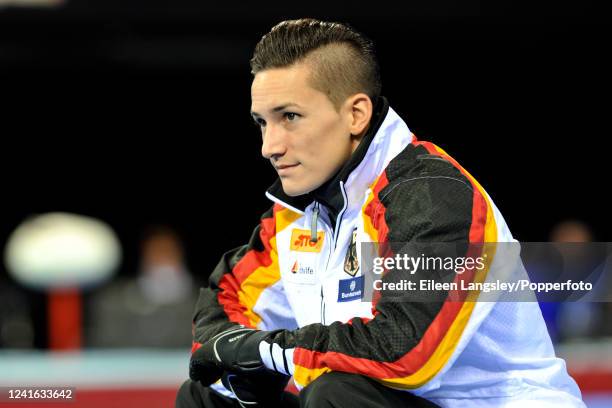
(394, 188)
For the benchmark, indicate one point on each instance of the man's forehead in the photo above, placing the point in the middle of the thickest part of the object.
(278, 87)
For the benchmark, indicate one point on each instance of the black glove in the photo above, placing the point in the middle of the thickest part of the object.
(202, 369)
(235, 350)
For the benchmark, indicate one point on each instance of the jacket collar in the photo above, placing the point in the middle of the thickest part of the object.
(330, 193)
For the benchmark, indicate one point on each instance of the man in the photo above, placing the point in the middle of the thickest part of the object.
(289, 303)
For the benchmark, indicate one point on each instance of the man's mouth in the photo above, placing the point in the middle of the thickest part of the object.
(285, 168)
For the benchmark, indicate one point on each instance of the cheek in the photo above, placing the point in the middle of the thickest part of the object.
(322, 145)
(336, 140)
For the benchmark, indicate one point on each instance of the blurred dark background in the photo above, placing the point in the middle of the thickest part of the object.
(137, 112)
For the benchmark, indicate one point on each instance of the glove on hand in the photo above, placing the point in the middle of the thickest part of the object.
(235, 350)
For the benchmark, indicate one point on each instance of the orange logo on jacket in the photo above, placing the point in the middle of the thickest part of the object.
(300, 241)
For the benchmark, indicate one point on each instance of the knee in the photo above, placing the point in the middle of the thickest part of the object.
(324, 391)
(186, 395)
(185, 386)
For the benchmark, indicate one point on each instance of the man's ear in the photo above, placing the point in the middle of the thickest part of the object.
(360, 109)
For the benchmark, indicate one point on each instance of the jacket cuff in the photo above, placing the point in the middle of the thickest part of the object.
(275, 358)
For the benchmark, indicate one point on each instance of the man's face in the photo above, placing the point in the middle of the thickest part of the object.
(304, 137)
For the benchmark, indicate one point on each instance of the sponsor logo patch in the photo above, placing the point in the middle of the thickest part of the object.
(302, 270)
(350, 289)
(301, 273)
(300, 241)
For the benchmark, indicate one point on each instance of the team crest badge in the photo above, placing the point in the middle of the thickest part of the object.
(351, 263)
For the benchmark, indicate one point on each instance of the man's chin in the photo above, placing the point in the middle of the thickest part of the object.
(294, 191)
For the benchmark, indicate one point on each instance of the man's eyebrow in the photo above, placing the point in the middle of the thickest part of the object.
(277, 108)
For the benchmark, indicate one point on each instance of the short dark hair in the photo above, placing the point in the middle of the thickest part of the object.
(343, 60)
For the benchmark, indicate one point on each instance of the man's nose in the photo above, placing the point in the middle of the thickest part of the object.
(273, 142)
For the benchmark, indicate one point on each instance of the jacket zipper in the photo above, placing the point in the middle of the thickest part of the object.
(339, 219)
(313, 223)
(322, 307)
(313, 238)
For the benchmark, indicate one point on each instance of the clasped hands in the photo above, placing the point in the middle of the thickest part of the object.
(233, 356)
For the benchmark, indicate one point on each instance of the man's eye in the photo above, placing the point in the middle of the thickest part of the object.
(260, 122)
(291, 116)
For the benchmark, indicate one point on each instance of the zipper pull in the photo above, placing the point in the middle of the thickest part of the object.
(313, 224)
